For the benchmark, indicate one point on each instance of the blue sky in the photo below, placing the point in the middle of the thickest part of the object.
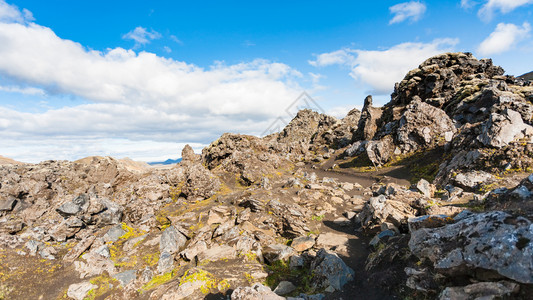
(140, 79)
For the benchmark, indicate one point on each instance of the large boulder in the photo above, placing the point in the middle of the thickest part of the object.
(382, 209)
(501, 129)
(492, 241)
(330, 270)
(422, 126)
(255, 292)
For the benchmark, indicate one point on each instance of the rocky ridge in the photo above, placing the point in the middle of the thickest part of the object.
(426, 197)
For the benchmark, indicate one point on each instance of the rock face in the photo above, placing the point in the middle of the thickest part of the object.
(368, 123)
(289, 210)
(492, 241)
(501, 129)
(460, 104)
(422, 125)
(255, 292)
(330, 270)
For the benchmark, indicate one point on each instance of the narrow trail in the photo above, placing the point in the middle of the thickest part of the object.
(358, 247)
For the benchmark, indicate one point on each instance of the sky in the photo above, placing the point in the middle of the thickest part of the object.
(141, 79)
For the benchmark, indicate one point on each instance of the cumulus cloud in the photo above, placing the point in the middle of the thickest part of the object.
(11, 14)
(132, 96)
(378, 70)
(504, 6)
(412, 10)
(504, 37)
(142, 36)
(339, 57)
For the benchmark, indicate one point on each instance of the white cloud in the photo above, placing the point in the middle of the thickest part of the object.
(23, 90)
(378, 70)
(132, 96)
(504, 6)
(141, 36)
(408, 10)
(339, 57)
(504, 37)
(11, 14)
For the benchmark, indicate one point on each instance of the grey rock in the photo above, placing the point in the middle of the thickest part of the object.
(172, 241)
(276, 252)
(284, 288)
(472, 180)
(421, 125)
(501, 129)
(8, 204)
(380, 236)
(114, 233)
(255, 292)
(330, 270)
(379, 152)
(382, 209)
(102, 251)
(356, 148)
(522, 192)
(111, 215)
(76, 206)
(492, 241)
(68, 209)
(126, 277)
(79, 291)
(33, 246)
(481, 290)
(425, 188)
(296, 261)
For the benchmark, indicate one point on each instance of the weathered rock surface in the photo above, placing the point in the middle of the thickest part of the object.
(79, 291)
(481, 290)
(492, 241)
(330, 270)
(255, 292)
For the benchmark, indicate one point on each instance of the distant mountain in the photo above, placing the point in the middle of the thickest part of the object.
(527, 76)
(166, 162)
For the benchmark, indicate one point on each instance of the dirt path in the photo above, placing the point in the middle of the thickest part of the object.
(358, 247)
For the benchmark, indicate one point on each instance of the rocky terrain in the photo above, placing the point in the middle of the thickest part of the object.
(428, 197)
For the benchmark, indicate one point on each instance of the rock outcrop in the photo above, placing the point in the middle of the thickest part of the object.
(287, 215)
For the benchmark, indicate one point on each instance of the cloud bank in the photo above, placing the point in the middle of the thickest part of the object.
(129, 95)
(378, 70)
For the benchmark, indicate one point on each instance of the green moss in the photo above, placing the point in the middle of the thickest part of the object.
(280, 271)
(317, 218)
(157, 281)
(209, 282)
(104, 283)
